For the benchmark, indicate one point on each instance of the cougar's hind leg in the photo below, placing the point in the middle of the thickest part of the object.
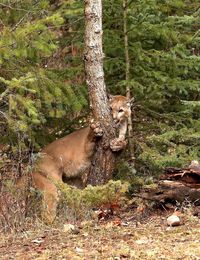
(50, 197)
(50, 202)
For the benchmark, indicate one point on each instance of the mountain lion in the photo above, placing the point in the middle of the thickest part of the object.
(69, 158)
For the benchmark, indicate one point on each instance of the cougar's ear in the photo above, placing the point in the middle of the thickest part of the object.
(110, 97)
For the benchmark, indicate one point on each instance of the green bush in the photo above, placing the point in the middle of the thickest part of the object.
(79, 203)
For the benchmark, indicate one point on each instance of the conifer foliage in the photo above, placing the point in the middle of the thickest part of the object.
(164, 44)
(39, 79)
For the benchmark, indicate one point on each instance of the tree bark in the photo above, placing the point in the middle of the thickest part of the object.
(104, 159)
(172, 191)
(127, 73)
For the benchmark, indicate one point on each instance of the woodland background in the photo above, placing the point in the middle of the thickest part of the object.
(43, 94)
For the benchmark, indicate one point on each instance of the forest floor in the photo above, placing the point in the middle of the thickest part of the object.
(132, 236)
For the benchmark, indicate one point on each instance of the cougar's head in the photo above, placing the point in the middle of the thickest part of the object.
(121, 108)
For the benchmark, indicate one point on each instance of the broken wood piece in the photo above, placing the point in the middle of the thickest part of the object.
(190, 176)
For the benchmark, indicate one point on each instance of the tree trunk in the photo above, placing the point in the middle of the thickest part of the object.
(127, 73)
(104, 159)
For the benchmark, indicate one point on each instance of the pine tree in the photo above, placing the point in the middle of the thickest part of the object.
(104, 159)
(41, 79)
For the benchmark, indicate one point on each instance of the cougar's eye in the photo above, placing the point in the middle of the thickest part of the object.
(121, 110)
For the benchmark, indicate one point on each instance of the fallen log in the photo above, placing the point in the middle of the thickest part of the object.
(171, 192)
(176, 185)
(188, 176)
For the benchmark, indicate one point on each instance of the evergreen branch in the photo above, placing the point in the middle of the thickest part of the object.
(2, 22)
(20, 21)
(128, 4)
(158, 115)
(9, 45)
(68, 25)
(4, 115)
(13, 8)
(4, 94)
(196, 34)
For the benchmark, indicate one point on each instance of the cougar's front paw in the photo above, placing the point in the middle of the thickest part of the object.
(117, 144)
(96, 127)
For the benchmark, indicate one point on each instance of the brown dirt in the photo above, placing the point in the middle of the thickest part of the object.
(127, 238)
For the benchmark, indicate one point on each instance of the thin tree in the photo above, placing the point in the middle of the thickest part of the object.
(104, 159)
(127, 73)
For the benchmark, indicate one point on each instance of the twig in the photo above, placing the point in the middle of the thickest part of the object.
(145, 198)
(13, 8)
(4, 114)
(20, 21)
(4, 94)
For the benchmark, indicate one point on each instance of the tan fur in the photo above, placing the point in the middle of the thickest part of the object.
(121, 110)
(69, 158)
